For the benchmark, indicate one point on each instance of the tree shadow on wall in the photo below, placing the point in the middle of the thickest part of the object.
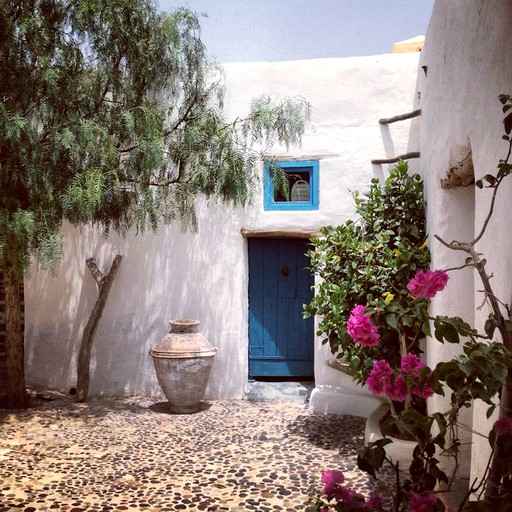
(167, 275)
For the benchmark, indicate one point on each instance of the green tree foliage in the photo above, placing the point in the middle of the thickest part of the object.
(370, 262)
(111, 113)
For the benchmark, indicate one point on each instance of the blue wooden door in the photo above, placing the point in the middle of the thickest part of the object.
(281, 341)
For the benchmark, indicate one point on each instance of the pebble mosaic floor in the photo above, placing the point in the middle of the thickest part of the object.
(132, 454)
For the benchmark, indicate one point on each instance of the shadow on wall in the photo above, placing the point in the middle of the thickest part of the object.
(167, 275)
(404, 127)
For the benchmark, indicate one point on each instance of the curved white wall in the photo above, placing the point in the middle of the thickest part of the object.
(173, 274)
(467, 59)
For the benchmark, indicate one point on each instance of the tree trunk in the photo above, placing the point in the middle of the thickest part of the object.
(17, 396)
(84, 357)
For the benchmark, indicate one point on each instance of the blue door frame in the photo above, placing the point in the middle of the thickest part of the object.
(281, 341)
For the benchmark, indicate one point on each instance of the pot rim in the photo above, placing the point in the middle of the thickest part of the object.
(182, 355)
(184, 321)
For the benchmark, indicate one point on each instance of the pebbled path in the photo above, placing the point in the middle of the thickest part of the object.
(131, 454)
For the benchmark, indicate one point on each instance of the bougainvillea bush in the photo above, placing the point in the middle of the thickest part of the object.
(483, 372)
(368, 263)
(478, 373)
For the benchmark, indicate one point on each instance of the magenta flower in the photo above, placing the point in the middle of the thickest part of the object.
(350, 498)
(380, 377)
(332, 480)
(398, 390)
(374, 503)
(422, 502)
(427, 284)
(411, 364)
(503, 426)
(361, 329)
(425, 392)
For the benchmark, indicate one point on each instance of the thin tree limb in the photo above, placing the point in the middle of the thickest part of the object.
(493, 200)
(95, 271)
(84, 356)
(494, 471)
(489, 214)
(489, 294)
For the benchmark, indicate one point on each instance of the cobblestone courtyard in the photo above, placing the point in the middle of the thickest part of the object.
(131, 454)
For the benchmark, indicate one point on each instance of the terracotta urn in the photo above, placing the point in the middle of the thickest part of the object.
(183, 360)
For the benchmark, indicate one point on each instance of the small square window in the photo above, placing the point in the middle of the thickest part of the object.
(303, 187)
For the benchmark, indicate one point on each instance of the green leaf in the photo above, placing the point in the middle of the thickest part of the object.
(490, 179)
(490, 411)
(499, 371)
(507, 123)
(392, 321)
(504, 98)
(450, 334)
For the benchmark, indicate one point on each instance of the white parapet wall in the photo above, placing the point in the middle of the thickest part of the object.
(174, 274)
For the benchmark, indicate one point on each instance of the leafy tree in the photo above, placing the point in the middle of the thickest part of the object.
(111, 113)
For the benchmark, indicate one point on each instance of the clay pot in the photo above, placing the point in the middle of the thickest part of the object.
(183, 360)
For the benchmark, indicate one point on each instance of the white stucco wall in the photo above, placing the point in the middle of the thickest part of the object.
(467, 59)
(205, 276)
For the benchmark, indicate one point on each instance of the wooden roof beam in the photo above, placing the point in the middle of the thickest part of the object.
(401, 117)
(280, 233)
(406, 156)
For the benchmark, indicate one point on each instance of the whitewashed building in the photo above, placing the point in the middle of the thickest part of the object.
(207, 275)
(464, 67)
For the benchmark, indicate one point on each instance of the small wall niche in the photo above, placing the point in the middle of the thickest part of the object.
(461, 172)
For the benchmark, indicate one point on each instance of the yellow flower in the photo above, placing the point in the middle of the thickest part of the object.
(389, 297)
(396, 252)
(425, 244)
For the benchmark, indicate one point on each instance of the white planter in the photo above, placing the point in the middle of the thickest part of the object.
(399, 450)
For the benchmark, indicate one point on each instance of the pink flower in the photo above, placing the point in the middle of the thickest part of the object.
(374, 503)
(398, 390)
(380, 377)
(332, 480)
(422, 502)
(350, 498)
(427, 284)
(361, 329)
(426, 392)
(347, 496)
(503, 426)
(411, 364)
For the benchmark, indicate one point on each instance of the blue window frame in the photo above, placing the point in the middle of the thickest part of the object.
(303, 180)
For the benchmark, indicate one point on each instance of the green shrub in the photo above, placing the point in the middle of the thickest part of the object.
(369, 262)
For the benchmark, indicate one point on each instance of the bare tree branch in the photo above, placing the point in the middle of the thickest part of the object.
(84, 357)
(95, 271)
